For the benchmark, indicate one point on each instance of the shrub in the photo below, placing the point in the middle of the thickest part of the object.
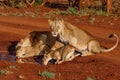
(38, 2)
(72, 10)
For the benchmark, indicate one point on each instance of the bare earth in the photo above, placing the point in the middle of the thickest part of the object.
(103, 66)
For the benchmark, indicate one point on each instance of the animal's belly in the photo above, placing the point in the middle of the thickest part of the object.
(81, 47)
(78, 43)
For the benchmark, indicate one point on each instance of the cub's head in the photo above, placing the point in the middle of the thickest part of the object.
(20, 53)
(30, 51)
(56, 26)
(23, 43)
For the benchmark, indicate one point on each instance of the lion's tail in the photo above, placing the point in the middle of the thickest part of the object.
(110, 49)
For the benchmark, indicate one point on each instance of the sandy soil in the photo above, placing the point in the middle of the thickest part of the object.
(103, 66)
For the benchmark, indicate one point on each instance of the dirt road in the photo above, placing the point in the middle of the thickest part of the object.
(103, 66)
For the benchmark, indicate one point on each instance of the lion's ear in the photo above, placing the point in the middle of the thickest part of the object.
(21, 41)
(49, 21)
(62, 20)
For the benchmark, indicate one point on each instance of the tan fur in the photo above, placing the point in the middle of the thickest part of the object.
(24, 42)
(77, 37)
(57, 45)
(64, 53)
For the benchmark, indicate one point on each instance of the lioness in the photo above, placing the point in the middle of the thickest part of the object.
(77, 37)
(64, 53)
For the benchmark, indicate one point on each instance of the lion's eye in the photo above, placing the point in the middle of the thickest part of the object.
(61, 34)
(70, 56)
(57, 26)
(23, 54)
(46, 56)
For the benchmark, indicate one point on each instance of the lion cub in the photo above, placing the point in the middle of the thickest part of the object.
(64, 53)
(77, 37)
(29, 51)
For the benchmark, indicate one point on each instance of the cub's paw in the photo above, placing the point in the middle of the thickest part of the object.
(60, 62)
(56, 62)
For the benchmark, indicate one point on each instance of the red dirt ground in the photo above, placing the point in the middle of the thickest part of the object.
(103, 66)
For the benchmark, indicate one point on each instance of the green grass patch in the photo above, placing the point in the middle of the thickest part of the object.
(38, 2)
(13, 67)
(47, 74)
(89, 78)
(5, 72)
(2, 72)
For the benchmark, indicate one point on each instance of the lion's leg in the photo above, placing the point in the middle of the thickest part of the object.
(60, 62)
(57, 61)
(87, 53)
(57, 56)
(76, 55)
(73, 56)
(67, 53)
(94, 46)
(69, 57)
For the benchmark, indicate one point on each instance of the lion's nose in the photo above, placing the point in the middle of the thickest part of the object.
(54, 34)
